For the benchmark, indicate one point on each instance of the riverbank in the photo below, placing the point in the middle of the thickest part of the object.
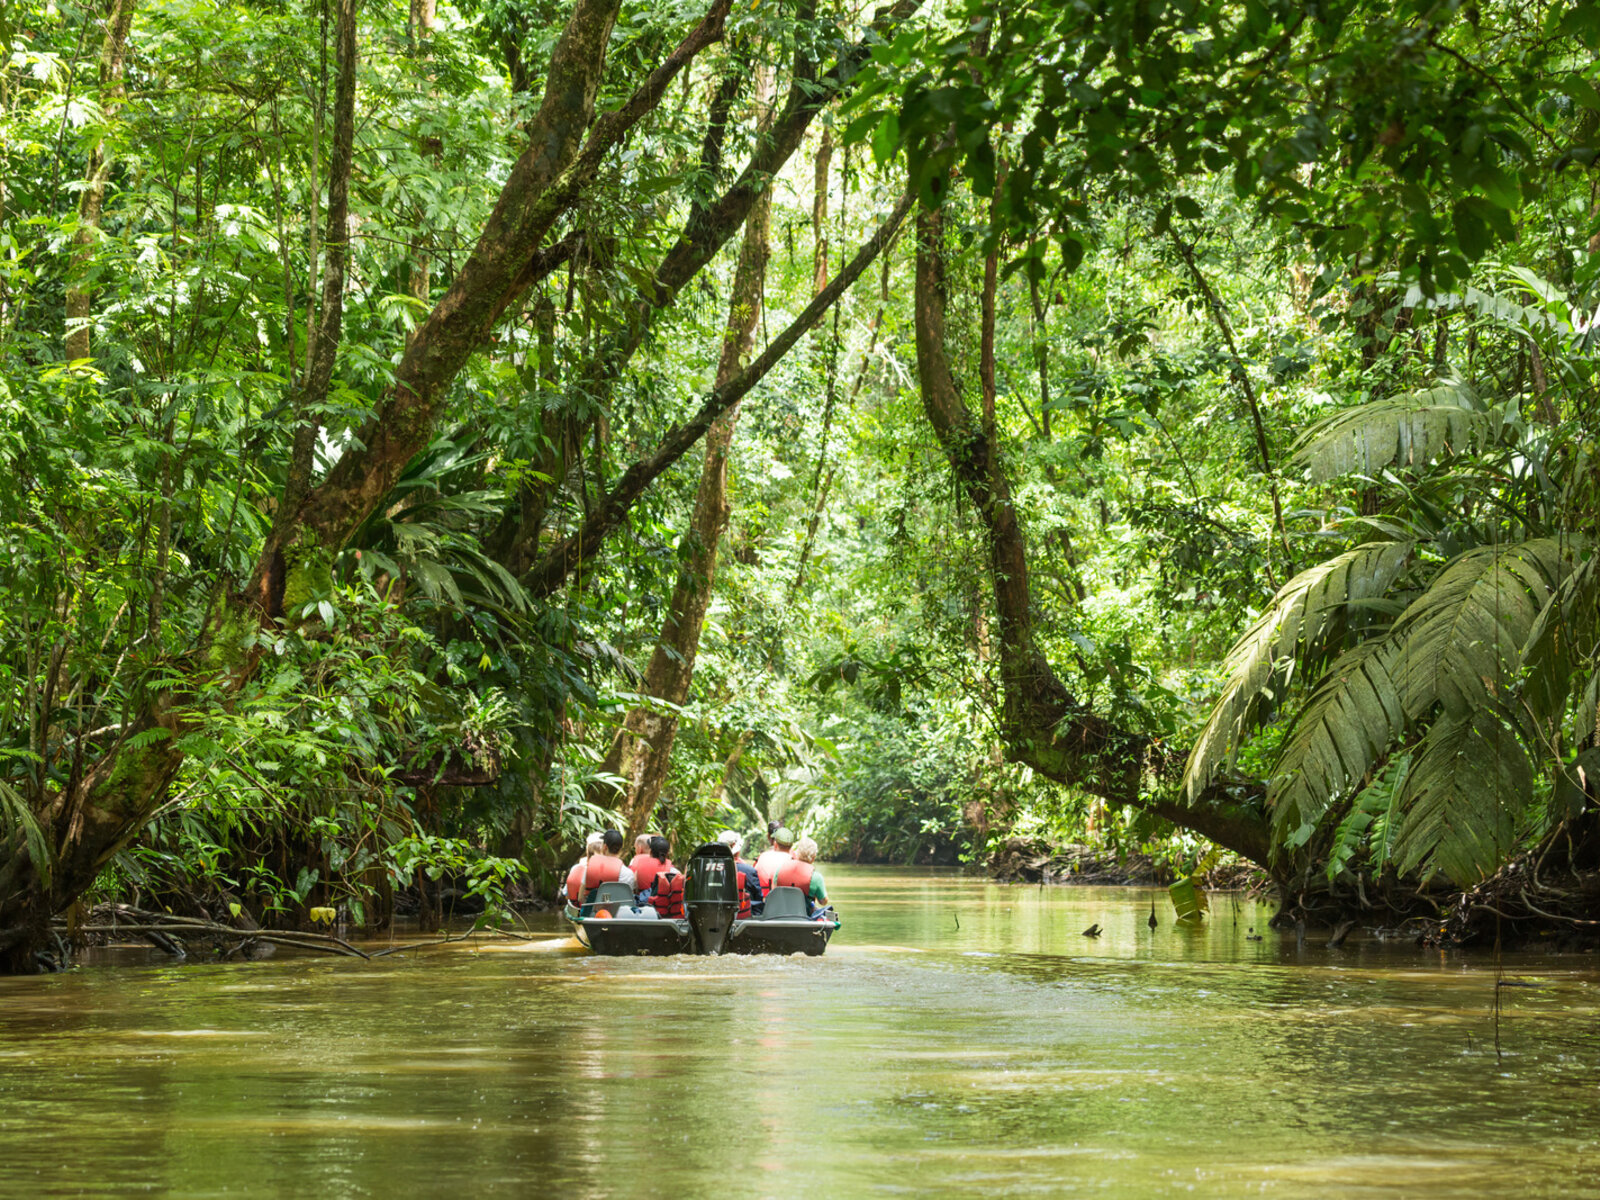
(1020, 860)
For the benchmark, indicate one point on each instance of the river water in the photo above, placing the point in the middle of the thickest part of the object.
(959, 1039)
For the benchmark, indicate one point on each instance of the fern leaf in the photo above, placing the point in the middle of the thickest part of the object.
(1299, 627)
(1398, 431)
(1348, 725)
(1469, 786)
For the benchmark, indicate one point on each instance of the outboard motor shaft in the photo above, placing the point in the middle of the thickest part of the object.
(711, 897)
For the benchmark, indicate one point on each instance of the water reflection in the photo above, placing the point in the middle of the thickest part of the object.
(958, 1038)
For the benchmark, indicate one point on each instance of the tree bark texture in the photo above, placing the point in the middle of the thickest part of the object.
(113, 56)
(641, 750)
(1042, 723)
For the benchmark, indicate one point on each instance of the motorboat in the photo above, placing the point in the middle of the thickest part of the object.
(613, 923)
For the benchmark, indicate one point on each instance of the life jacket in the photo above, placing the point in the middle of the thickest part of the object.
(668, 897)
(768, 862)
(602, 868)
(645, 867)
(575, 880)
(795, 873)
(751, 892)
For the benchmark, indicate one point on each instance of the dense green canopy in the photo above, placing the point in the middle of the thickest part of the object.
(432, 431)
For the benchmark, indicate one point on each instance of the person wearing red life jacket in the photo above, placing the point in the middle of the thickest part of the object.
(774, 856)
(575, 876)
(606, 866)
(645, 863)
(666, 890)
(752, 896)
(801, 872)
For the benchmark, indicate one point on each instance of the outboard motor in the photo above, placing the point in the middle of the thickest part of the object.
(711, 897)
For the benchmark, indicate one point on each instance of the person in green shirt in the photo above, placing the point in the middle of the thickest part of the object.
(805, 851)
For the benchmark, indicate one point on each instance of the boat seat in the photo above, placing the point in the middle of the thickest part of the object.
(784, 902)
(610, 895)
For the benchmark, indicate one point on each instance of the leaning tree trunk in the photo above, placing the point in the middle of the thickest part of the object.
(1042, 723)
(112, 57)
(641, 750)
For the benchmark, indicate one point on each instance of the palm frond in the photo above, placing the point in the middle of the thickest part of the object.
(1469, 786)
(19, 828)
(1298, 628)
(1396, 431)
(1462, 639)
(1564, 643)
(1351, 720)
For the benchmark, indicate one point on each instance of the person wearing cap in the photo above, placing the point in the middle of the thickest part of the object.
(752, 896)
(645, 863)
(606, 866)
(575, 876)
(773, 857)
(801, 872)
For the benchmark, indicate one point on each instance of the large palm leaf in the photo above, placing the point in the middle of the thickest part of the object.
(1403, 431)
(1448, 668)
(1298, 630)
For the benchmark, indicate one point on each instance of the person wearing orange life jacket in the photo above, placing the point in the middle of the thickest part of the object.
(774, 856)
(575, 876)
(752, 896)
(644, 863)
(666, 890)
(606, 866)
(801, 872)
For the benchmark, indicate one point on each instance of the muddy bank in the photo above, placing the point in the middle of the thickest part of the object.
(1022, 861)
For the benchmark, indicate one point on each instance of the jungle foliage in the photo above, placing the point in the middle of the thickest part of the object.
(1156, 422)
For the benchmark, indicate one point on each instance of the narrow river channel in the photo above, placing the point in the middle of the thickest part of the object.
(959, 1039)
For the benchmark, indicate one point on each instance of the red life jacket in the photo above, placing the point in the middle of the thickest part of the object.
(668, 897)
(602, 868)
(575, 880)
(744, 892)
(767, 864)
(645, 868)
(794, 873)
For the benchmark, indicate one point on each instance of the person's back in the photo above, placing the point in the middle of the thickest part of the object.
(752, 896)
(751, 893)
(774, 857)
(801, 872)
(666, 890)
(644, 868)
(606, 867)
(574, 886)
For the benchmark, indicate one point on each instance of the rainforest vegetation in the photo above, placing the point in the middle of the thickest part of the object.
(431, 431)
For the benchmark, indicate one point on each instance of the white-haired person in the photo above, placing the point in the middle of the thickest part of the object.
(801, 872)
(752, 896)
(575, 876)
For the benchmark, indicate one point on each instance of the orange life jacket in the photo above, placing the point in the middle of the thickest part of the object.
(795, 873)
(668, 897)
(575, 880)
(645, 868)
(602, 868)
(767, 864)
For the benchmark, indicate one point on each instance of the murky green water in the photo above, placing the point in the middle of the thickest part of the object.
(1011, 1056)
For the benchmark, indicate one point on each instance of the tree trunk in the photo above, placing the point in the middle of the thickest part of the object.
(1042, 723)
(641, 750)
(112, 58)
